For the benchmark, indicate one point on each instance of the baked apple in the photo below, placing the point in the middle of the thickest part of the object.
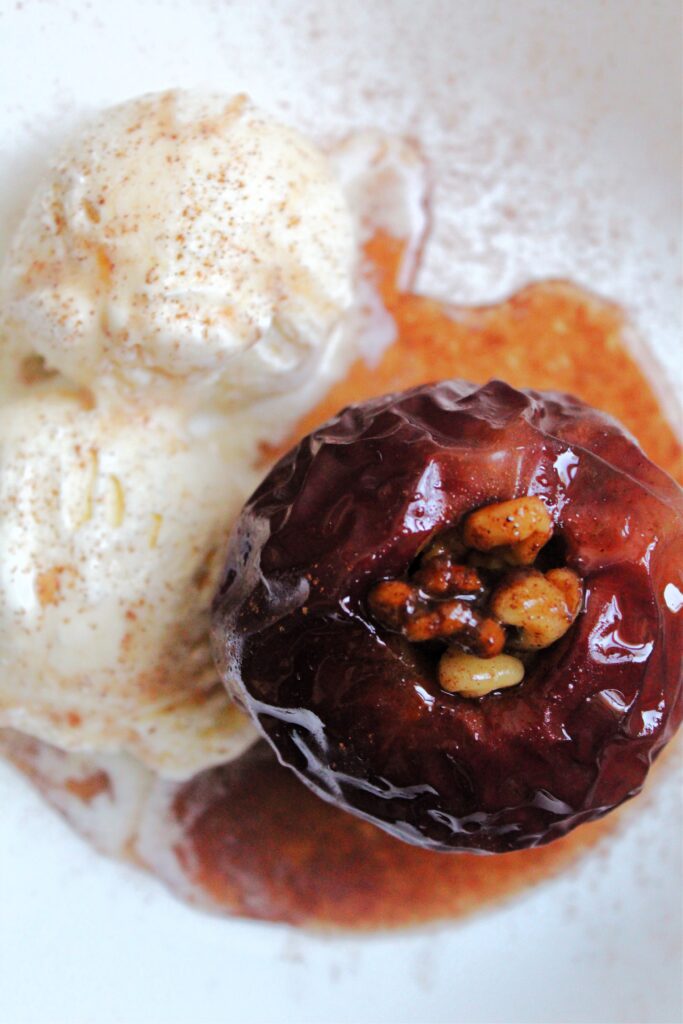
(454, 612)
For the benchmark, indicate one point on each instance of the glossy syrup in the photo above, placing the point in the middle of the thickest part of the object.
(254, 841)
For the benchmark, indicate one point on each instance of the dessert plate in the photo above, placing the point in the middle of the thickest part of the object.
(553, 139)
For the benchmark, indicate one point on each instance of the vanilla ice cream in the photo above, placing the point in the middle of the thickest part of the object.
(175, 294)
(112, 526)
(186, 245)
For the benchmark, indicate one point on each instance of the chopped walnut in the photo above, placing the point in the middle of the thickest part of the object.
(476, 677)
(402, 607)
(513, 531)
(393, 602)
(570, 586)
(439, 577)
(473, 589)
(537, 606)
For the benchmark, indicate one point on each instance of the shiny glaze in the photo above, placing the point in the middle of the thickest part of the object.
(358, 712)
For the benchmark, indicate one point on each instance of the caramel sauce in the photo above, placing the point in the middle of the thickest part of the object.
(256, 842)
(551, 335)
(261, 845)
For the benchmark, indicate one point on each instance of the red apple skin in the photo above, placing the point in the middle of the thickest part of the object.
(357, 712)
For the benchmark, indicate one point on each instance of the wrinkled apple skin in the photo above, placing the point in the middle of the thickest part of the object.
(357, 712)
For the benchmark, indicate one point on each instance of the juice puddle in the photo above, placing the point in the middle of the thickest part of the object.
(551, 335)
(259, 844)
(254, 840)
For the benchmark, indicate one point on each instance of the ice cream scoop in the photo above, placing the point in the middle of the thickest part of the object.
(184, 244)
(109, 526)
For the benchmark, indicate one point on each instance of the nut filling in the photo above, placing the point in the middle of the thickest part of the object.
(476, 588)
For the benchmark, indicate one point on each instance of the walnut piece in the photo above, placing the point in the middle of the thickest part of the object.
(473, 588)
(470, 676)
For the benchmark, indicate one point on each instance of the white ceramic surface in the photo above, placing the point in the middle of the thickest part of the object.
(553, 130)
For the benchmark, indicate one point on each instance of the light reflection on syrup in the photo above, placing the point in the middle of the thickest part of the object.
(608, 646)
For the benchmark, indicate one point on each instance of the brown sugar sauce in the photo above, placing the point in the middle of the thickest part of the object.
(255, 841)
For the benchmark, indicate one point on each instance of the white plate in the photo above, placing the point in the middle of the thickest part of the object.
(554, 136)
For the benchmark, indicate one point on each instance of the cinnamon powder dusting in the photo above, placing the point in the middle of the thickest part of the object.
(256, 841)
